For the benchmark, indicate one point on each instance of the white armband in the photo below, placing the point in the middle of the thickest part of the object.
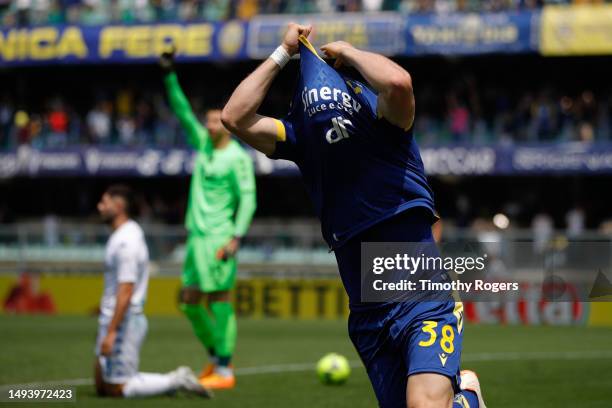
(280, 56)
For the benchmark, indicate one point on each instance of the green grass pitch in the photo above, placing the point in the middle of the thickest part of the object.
(518, 366)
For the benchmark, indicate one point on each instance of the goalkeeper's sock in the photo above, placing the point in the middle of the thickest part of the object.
(149, 384)
(214, 359)
(203, 325)
(466, 399)
(225, 339)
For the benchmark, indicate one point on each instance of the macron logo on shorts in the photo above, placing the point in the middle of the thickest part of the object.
(443, 357)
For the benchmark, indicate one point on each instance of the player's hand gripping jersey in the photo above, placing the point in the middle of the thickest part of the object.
(358, 168)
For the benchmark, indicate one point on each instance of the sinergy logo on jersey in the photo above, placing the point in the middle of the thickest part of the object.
(325, 98)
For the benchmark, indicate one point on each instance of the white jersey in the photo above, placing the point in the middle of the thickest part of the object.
(126, 259)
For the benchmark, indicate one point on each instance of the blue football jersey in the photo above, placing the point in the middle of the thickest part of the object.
(358, 168)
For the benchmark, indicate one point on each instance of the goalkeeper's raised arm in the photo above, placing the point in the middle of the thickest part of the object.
(197, 135)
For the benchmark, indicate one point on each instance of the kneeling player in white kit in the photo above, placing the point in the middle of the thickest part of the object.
(122, 324)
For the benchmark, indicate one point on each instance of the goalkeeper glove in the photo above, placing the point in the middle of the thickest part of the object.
(166, 59)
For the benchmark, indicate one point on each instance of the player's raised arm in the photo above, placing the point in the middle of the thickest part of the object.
(197, 134)
(392, 82)
(240, 113)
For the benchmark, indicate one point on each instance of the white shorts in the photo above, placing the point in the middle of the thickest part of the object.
(122, 364)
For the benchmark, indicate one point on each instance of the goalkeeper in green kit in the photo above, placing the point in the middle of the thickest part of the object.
(220, 208)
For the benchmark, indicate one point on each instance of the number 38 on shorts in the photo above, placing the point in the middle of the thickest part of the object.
(440, 340)
(446, 337)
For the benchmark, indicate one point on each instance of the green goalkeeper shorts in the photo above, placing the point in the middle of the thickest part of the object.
(203, 270)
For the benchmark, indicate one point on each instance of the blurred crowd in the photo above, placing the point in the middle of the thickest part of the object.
(95, 12)
(489, 115)
(466, 114)
(125, 119)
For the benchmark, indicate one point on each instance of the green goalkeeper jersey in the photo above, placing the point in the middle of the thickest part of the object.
(222, 192)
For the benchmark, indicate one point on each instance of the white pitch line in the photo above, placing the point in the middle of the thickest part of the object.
(537, 355)
(58, 383)
(278, 368)
(301, 367)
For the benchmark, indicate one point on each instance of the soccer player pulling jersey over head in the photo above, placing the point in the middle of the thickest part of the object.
(353, 144)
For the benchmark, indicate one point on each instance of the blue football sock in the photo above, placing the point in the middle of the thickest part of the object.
(466, 399)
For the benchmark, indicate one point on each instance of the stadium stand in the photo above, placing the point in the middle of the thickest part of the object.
(95, 12)
(470, 110)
